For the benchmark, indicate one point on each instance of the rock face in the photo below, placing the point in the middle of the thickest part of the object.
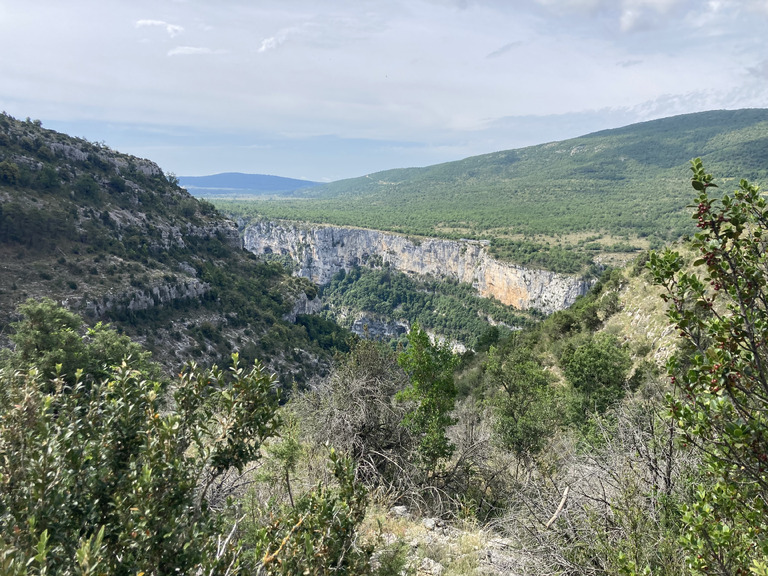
(322, 251)
(302, 304)
(144, 299)
(372, 325)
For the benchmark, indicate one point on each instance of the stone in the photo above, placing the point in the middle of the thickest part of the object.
(430, 523)
(429, 567)
(400, 511)
(322, 251)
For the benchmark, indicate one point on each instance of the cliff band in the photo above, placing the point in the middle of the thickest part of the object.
(322, 251)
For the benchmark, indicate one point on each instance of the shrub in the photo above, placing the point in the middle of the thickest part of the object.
(721, 313)
(97, 473)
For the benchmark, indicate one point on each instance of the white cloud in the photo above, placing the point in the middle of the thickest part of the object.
(575, 5)
(408, 71)
(630, 15)
(760, 5)
(189, 51)
(270, 44)
(644, 13)
(173, 30)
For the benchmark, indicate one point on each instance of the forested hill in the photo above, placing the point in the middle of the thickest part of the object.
(552, 204)
(236, 184)
(117, 240)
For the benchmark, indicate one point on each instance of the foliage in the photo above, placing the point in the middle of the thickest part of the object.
(9, 172)
(97, 474)
(48, 337)
(326, 333)
(535, 204)
(525, 406)
(118, 241)
(560, 258)
(440, 306)
(611, 503)
(721, 313)
(432, 390)
(598, 371)
(317, 535)
(354, 410)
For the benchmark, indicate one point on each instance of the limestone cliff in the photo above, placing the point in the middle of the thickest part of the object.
(321, 251)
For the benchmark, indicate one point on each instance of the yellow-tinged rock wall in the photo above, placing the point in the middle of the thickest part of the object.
(321, 251)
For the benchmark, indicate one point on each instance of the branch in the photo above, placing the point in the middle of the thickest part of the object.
(559, 508)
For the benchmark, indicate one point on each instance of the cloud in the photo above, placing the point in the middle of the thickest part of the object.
(504, 49)
(760, 6)
(573, 5)
(760, 70)
(191, 51)
(629, 63)
(270, 44)
(630, 15)
(173, 30)
(273, 42)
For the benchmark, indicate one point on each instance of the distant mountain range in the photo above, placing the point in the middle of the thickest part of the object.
(237, 184)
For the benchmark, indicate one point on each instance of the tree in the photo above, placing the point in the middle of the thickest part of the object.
(86, 187)
(433, 393)
(49, 337)
(524, 405)
(354, 410)
(720, 309)
(173, 180)
(598, 371)
(9, 172)
(97, 474)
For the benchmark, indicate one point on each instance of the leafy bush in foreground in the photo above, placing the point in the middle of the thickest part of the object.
(98, 476)
(721, 314)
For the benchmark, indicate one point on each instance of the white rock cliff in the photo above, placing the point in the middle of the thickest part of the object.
(321, 251)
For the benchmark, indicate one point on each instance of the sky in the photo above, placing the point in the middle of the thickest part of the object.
(333, 89)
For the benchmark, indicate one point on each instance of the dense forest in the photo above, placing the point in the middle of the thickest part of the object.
(442, 307)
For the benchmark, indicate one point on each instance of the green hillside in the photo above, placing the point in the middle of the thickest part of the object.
(116, 240)
(556, 205)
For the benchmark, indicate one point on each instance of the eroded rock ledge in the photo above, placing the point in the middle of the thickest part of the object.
(322, 251)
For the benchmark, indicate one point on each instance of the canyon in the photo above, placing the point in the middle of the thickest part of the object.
(319, 252)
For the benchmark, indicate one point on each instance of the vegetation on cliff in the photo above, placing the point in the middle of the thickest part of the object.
(117, 240)
(450, 309)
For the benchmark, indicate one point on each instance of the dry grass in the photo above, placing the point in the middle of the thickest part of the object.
(642, 320)
(431, 546)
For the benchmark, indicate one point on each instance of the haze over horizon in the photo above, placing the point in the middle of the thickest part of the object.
(345, 88)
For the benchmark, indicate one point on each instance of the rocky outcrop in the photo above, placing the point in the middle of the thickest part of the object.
(144, 299)
(303, 304)
(322, 251)
(372, 325)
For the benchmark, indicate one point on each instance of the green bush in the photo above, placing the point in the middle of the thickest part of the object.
(97, 474)
(721, 313)
(525, 409)
(318, 534)
(598, 371)
(9, 172)
(433, 393)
